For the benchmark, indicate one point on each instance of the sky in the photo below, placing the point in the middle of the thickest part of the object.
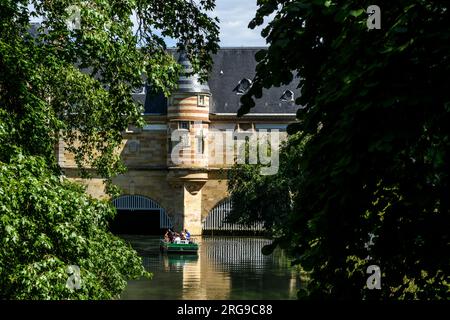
(234, 16)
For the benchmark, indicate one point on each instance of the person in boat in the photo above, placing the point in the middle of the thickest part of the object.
(177, 238)
(166, 236)
(187, 235)
(170, 235)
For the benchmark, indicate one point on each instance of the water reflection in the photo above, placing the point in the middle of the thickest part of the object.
(225, 268)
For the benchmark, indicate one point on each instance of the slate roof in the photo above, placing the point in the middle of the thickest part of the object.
(230, 66)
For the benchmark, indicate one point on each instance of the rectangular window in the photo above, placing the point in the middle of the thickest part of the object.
(183, 125)
(200, 144)
(271, 126)
(202, 101)
(155, 127)
(133, 146)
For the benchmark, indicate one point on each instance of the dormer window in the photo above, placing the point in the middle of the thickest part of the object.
(202, 100)
(139, 93)
(288, 96)
(244, 126)
(139, 89)
(243, 86)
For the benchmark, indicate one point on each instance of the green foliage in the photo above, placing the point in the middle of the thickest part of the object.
(267, 198)
(376, 162)
(75, 84)
(47, 224)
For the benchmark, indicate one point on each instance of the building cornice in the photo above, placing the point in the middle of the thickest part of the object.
(284, 117)
(155, 117)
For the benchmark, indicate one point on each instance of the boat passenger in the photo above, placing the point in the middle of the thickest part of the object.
(187, 235)
(167, 236)
(171, 235)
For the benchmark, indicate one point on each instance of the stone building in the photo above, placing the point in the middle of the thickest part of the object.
(189, 190)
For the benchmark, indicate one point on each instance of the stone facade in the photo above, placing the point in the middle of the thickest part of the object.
(189, 185)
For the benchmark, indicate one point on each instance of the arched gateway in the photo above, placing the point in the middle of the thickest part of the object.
(139, 215)
(215, 222)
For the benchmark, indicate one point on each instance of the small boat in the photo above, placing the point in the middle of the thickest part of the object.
(181, 247)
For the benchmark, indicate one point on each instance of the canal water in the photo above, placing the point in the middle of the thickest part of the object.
(225, 268)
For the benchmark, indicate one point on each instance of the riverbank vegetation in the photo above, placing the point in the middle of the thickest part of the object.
(364, 178)
(71, 79)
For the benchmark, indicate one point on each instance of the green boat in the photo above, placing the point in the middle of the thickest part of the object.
(171, 247)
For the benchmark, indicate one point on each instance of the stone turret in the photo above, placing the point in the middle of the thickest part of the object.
(188, 115)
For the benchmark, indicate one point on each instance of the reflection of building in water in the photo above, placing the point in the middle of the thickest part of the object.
(225, 268)
(294, 284)
(254, 275)
(197, 275)
(218, 257)
(192, 286)
(236, 251)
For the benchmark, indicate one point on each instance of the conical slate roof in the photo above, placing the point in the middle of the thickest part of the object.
(188, 82)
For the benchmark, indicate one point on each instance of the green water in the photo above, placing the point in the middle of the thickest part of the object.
(225, 268)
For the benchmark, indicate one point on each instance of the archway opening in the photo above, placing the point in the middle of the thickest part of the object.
(139, 215)
(215, 222)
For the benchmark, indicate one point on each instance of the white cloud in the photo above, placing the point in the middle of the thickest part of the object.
(234, 16)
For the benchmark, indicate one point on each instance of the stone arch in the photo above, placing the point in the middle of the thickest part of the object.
(214, 221)
(213, 192)
(170, 205)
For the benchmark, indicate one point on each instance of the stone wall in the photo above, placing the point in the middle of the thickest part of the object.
(144, 149)
(213, 192)
(186, 194)
(153, 184)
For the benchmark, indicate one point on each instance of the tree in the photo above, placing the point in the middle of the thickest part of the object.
(266, 198)
(373, 178)
(48, 225)
(73, 81)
